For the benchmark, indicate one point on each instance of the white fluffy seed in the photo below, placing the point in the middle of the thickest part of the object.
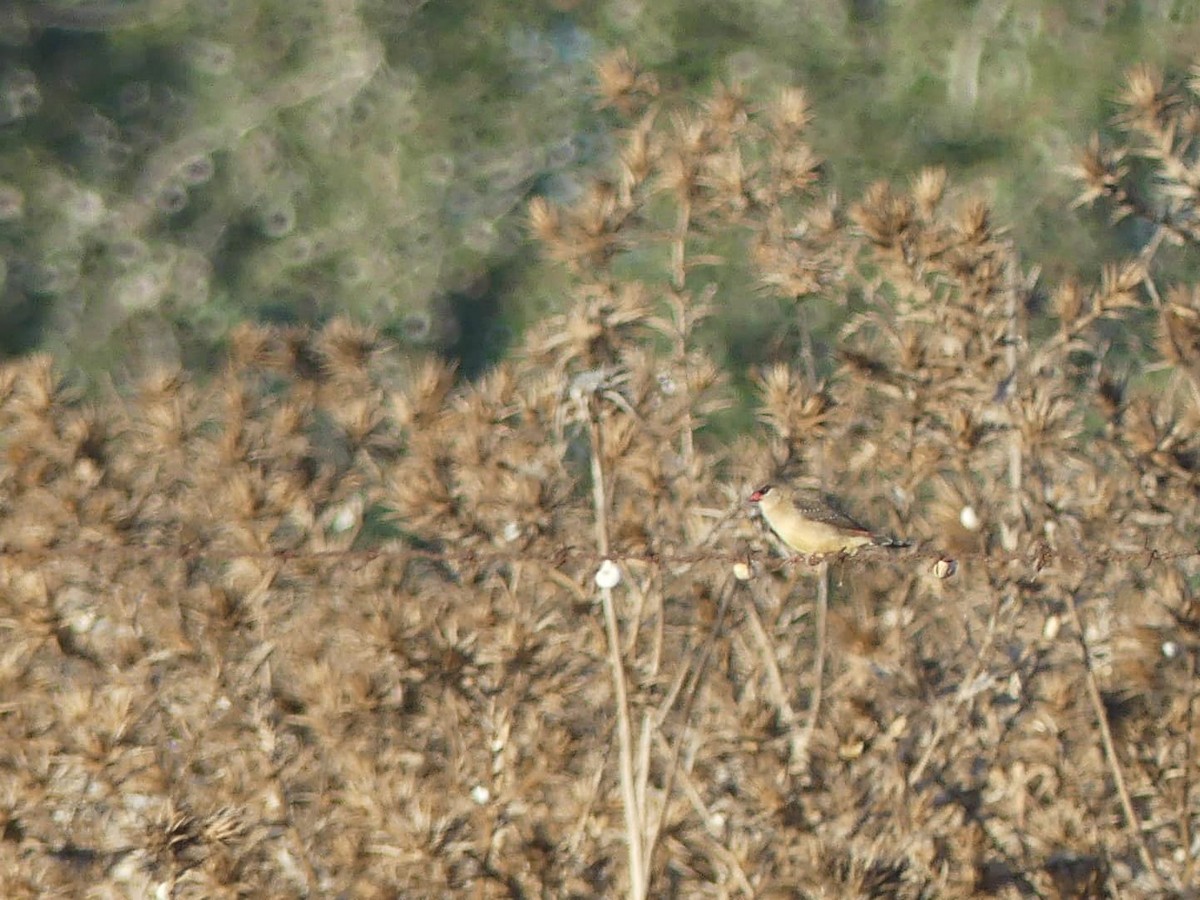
(944, 567)
(1050, 629)
(969, 518)
(608, 575)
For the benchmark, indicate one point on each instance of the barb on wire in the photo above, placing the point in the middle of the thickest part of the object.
(1037, 557)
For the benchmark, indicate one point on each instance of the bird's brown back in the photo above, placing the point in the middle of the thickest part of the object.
(822, 508)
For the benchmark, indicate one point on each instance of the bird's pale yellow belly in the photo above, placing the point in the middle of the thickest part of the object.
(817, 537)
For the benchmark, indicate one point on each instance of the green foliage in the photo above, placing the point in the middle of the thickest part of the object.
(201, 164)
(321, 158)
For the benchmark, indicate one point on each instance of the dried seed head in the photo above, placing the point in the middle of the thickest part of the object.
(421, 402)
(1101, 170)
(967, 429)
(1179, 328)
(974, 222)
(544, 221)
(639, 154)
(928, 189)
(885, 218)
(727, 112)
(790, 406)
(1119, 286)
(1144, 97)
(620, 84)
(1068, 301)
(790, 114)
(249, 345)
(348, 348)
(797, 168)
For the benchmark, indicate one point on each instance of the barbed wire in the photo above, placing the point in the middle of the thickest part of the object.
(1036, 556)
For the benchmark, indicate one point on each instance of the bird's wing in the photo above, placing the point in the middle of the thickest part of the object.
(821, 508)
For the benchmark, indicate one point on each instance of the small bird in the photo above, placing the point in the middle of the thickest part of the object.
(810, 522)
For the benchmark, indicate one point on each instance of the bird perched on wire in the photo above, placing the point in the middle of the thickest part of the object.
(810, 522)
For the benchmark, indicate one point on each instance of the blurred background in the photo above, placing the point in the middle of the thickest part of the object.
(170, 169)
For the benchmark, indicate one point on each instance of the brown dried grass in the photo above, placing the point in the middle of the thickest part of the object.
(328, 625)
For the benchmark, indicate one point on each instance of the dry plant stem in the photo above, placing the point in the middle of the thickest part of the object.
(289, 822)
(599, 499)
(966, 692)
(629, 781)
(693, 795)
(655, 830)
(569, 584)
(821, 638)
(1015, 338)
(678, 248)
(1146, 256)
(642, 593)
(677, 685)
(776, 689)
(679, 282)
(1189, 774)
(577, 835)
(641, 787)
(807, 355)
(1132, 823)
(656, 653)
(635, 616)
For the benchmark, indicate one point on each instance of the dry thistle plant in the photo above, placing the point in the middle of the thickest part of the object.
(337, 623)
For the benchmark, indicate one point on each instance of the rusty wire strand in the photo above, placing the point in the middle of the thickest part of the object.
(1037, 557)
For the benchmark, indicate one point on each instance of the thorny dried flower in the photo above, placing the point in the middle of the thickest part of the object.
(928, 189)
(792, 408)
(1179, 329)
(884, 217)
(620, 84)
(1101, 170)
(790, 114)
(348, 349)
(1147, 105)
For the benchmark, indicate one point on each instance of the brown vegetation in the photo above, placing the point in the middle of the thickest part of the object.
(329, 625)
